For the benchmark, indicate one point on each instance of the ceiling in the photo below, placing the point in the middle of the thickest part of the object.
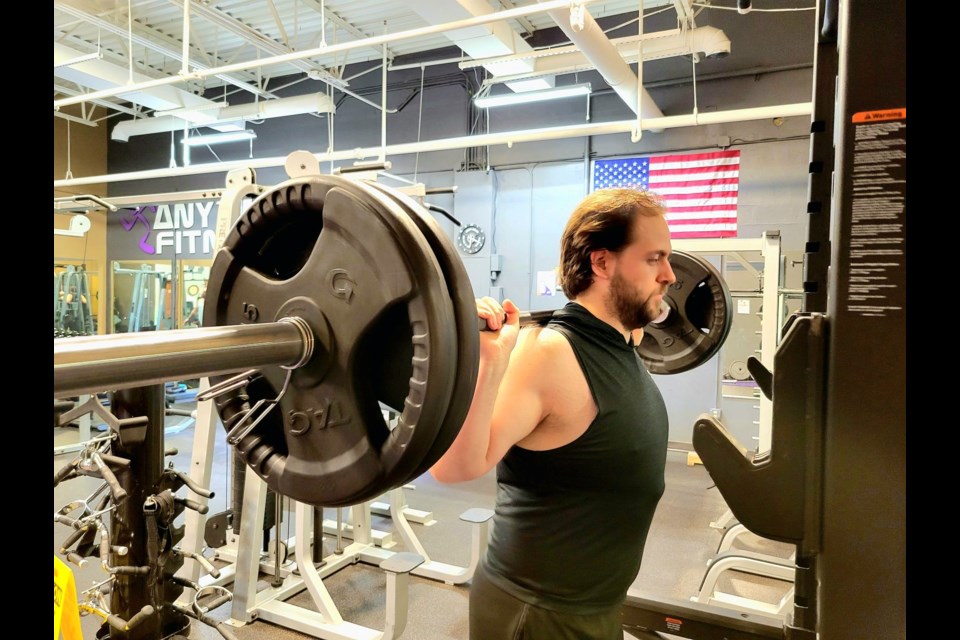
(121, 59)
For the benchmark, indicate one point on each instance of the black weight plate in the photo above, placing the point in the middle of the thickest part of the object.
(351, 264)
(465, 314)
(700, 312)
(391, 362)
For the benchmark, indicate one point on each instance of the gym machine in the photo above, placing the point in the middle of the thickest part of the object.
(837, 459)
(149, 306)
(72, 315)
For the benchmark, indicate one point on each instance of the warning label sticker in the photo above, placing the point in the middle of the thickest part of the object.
(879, 116)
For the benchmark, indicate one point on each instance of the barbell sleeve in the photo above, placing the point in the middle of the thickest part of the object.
(128, 360)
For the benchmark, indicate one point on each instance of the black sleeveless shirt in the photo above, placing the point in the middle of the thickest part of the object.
(571, 522)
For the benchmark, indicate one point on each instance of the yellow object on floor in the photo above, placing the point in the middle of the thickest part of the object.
(66, 615)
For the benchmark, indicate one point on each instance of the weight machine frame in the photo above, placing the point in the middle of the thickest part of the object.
(769, 247)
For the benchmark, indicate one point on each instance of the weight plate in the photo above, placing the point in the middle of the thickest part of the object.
(699, 312)
(359, 272)
(738, 370)
(465, 315)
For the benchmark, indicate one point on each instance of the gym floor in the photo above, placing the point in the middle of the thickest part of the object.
(680, 544)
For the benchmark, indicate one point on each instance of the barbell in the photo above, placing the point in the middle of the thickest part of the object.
(331, 300)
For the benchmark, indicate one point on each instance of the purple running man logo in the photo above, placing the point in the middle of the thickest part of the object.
(130, 223)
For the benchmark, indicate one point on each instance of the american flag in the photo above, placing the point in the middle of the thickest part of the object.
(699, 189)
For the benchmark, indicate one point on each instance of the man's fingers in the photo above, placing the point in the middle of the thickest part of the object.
(491, 314)
(511, 312)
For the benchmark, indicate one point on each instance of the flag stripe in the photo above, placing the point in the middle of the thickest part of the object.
(692, 205)
(723, 189)
(719, 221)
(725, 197)
(701, 214)
(698, 159)
(698, 172)
(700, 190)
(712, 233)
(691, 184)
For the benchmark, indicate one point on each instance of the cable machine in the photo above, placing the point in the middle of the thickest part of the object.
(149, 296)
(71, 303)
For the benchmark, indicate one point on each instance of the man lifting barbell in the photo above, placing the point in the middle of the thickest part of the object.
(577, 430)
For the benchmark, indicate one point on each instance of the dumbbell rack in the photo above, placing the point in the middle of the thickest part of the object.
(139, 547)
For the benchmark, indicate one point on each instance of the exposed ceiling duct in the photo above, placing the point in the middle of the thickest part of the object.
(596, 46)
(101, 74)
(491, 40)
(227, 118)
(709, 41)
(505, 137)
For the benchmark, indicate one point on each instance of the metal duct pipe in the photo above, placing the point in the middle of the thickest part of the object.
(125, 129)
(228, 118)
(598, 49)
(464, 142)
(710, 41)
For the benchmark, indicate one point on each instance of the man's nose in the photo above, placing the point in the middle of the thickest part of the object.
(669, 276)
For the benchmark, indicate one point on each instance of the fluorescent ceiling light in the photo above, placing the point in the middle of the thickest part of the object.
(485, 102)
(220, 138)
(67, 63)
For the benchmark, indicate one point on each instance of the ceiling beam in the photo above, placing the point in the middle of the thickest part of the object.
(146, 37)
(334, 17)
(527, 26)
(328, 50)
(103, 103)
(67, 116)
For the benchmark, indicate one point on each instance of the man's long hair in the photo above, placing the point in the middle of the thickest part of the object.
(603, 220)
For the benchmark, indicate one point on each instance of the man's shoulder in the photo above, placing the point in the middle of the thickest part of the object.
(546, 340)
(545, 350)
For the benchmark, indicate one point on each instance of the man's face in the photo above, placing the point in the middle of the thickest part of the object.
(642, 273)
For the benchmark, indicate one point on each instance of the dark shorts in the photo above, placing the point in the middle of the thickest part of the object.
(497, 615)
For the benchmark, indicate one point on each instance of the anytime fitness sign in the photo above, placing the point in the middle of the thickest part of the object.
(183, 229)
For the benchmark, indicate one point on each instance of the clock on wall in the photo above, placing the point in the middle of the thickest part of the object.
(471, 239)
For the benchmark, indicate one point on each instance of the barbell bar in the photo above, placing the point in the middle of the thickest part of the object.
(124, 361)
(696, 314)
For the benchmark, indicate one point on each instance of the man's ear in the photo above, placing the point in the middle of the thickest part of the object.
(602, 262)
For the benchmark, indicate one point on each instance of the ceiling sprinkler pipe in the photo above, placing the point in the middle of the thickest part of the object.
(463, 142)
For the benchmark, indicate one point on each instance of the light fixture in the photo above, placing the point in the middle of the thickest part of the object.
(569, 91)
(220, 138)
(96, 55)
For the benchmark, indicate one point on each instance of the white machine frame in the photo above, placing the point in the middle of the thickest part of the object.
(769, 247)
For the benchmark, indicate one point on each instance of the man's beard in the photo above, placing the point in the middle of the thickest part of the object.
(631, 310)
